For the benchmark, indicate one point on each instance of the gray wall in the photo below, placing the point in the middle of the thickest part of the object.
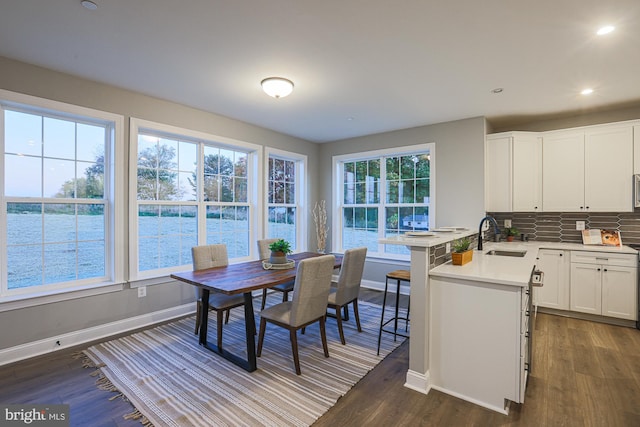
(459, 172)
(50, 320)
(541, 124)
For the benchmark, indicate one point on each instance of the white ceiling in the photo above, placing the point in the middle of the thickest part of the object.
(359, 66)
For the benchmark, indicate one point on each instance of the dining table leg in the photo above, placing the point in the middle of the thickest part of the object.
(250, 364)
(250, 328)
(204, 316)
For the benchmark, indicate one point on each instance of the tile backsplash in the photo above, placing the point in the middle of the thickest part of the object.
(561, 226)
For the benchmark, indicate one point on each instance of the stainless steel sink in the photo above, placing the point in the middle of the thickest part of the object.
(518, 254)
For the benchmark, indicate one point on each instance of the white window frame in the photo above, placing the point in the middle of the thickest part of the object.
(301, 194)
(254, 172)
(338, 196)
(114, 197)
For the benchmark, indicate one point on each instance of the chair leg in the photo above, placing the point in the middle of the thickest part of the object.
(339, 321)
(346, 312)
(395, 322)
(219, 314)
(198, 309)
(294, 349)
(384, 304)
(263, 327)
(226, 319)
(356, 314)
(264, 298)
(285, 296)
(323, 335)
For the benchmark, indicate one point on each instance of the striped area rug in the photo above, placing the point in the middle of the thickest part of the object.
(172, 381)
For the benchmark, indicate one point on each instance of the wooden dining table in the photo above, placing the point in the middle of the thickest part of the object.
(242, 278)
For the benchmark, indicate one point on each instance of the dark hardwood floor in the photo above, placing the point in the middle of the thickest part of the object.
(585, 374)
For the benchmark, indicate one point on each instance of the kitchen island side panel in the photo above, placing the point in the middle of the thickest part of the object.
(475, 341)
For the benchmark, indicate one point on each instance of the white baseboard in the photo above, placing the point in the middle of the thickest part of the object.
(418, 382)
(501, 409)
(59, 342)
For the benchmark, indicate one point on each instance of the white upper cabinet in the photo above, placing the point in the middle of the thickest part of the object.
(527, 173)
(497, 173)
(563, 172)
(636, 149)
(608, 180)
(588, 170)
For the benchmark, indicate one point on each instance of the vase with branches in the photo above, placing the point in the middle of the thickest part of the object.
(320, 218)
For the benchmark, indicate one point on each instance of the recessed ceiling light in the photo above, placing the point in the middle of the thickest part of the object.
(497, 90)
(350, 119)
(605, 30)
(89, 4)
(587, 91)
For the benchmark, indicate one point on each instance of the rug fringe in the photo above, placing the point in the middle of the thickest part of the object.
(103, 383)
(138, 416)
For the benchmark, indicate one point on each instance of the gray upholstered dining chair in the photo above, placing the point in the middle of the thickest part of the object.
(264, 253)
(210, 256)
(348, 286)
(308, 304)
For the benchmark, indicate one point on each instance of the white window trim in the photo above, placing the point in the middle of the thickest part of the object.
(336, 205)
(115, 231)
(254, 162)
(301, 195)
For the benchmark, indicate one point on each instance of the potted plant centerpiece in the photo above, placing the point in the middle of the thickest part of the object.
(511, 232)
(279, 251)
(462, 253)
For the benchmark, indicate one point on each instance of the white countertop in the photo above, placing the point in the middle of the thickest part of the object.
(437, 238)
(511, 270)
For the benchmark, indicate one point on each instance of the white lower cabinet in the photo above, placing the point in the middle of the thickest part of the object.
(556, 267)
(604, 284)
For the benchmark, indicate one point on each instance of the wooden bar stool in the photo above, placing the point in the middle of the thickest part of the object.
(398, 276)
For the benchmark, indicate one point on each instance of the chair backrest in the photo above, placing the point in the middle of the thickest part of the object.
(208, 256)
(350, 275)
(263, 248)
(311, 289)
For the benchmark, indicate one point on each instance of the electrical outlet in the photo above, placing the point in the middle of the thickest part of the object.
(447, 247)
(579, 225)
(142, 291)
(507, 223)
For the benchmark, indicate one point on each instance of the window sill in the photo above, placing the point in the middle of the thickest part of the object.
(16, 302)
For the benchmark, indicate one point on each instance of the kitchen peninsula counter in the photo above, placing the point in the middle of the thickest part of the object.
(490, 294)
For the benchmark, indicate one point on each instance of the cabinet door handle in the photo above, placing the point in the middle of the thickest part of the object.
(605, 269)
(560, 254)
(598, 269)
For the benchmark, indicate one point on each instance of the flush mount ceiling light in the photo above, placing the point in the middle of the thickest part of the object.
(605, 30)
(89, 4)
(587, 91)
(278, 87)
(497, 90)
